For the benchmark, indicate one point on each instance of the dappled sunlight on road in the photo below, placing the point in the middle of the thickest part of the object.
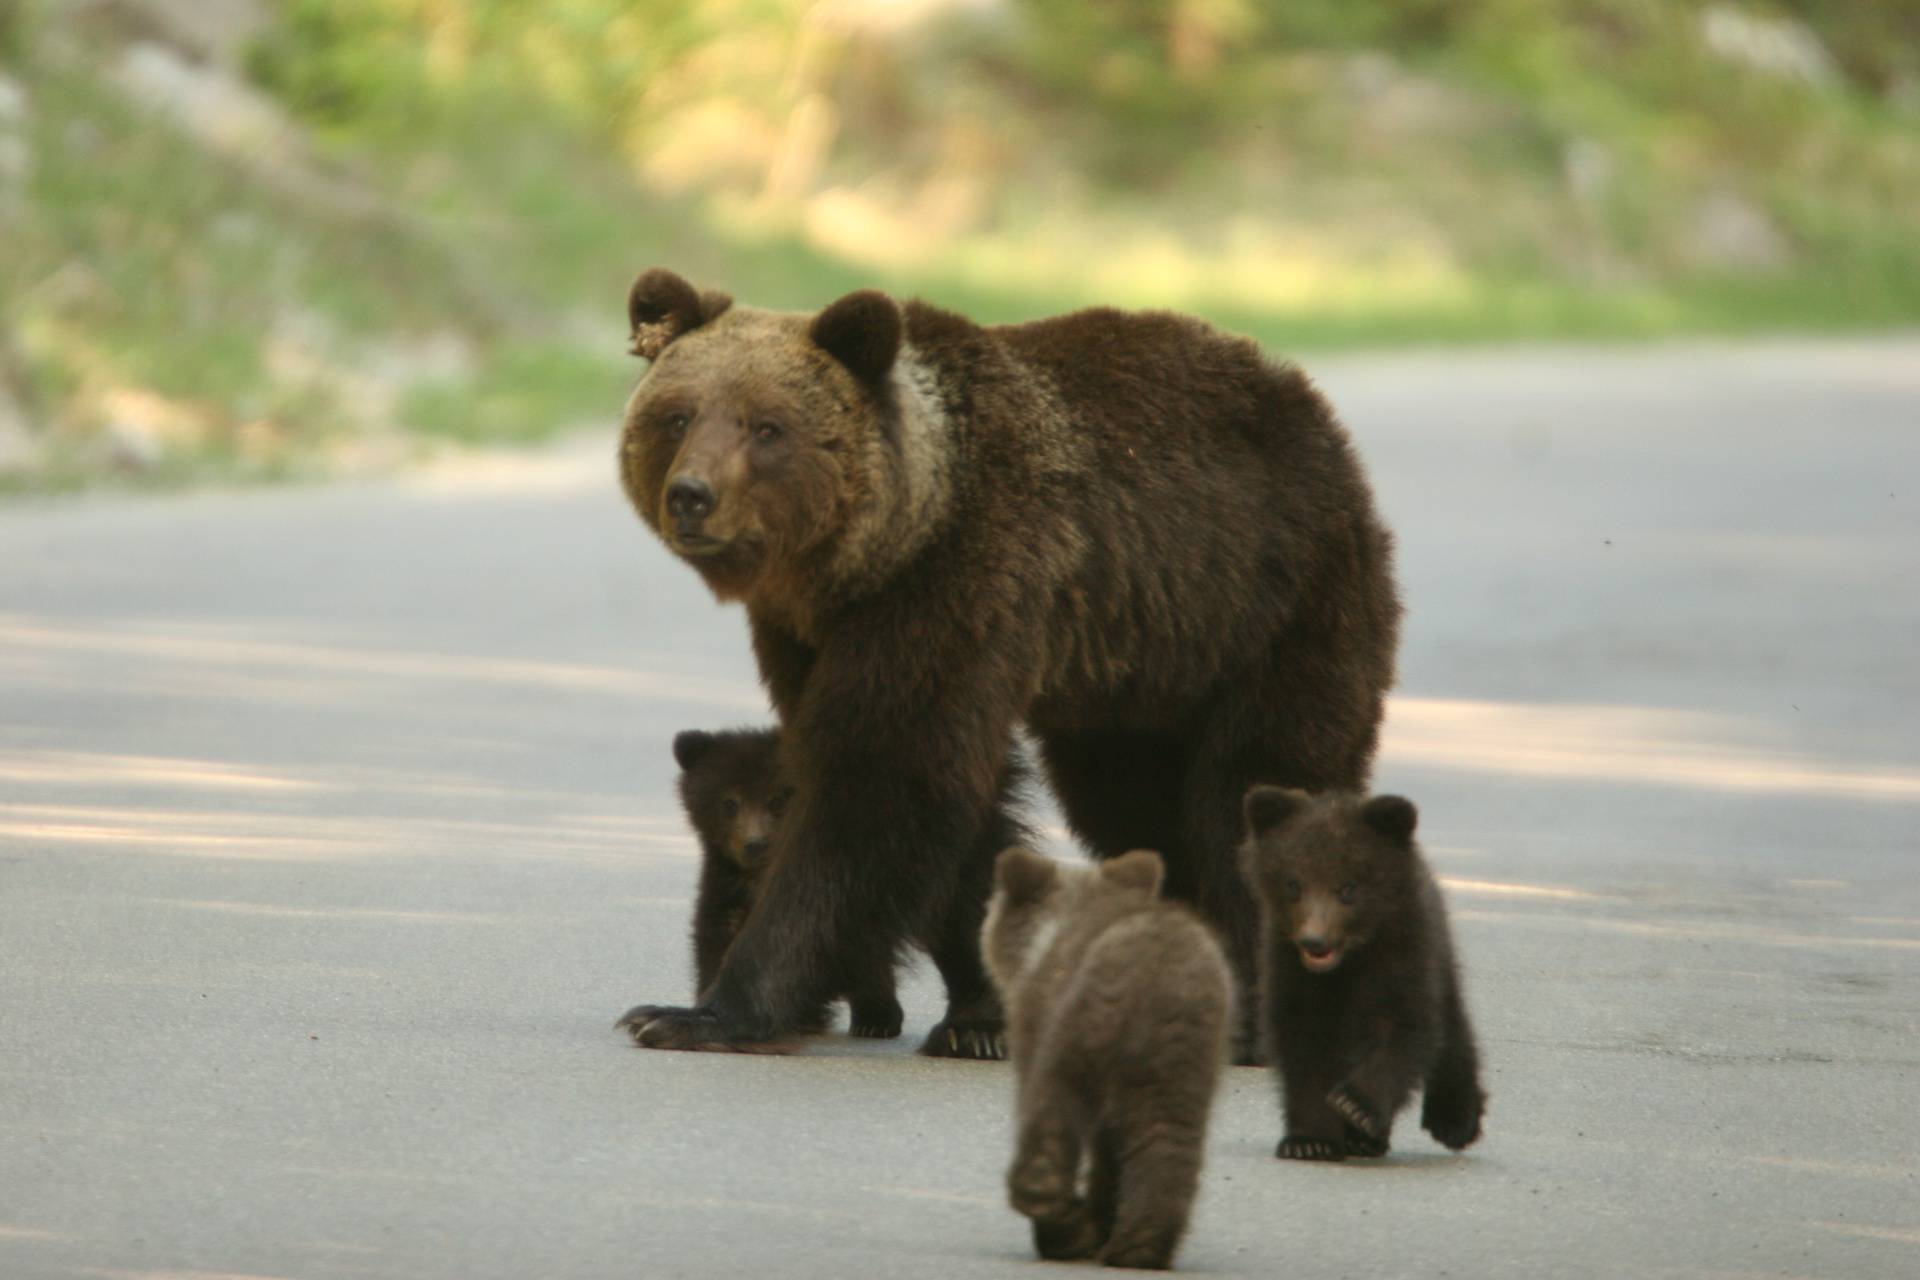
(178, 659)
(310, 837)
(1686, 929)
(85, 768)
(1649, 745)
(1503, 889)
(273, 911)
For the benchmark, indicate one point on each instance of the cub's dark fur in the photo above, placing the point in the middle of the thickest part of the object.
(1119, 1007)
(1132, 533)
(1361, 989)
(734, 794)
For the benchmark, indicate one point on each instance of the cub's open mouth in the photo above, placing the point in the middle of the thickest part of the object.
(1318, 956)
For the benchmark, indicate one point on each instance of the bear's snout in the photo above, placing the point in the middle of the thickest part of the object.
(690, 500)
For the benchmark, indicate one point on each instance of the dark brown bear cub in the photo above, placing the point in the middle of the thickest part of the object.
(731, 788)
(1361, 989)
(1118, 1008)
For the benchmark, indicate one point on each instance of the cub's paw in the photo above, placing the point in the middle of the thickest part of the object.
(1067, 1238)
(1295, 1148)
(952, 1038)
(1140, 1257)
(874, 1019)
(658, 1026)
(1453, 1122)
(1041, 1187)
(1357, 1113)
(1363, 1146)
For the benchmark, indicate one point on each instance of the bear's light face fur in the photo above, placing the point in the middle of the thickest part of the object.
(820, 471)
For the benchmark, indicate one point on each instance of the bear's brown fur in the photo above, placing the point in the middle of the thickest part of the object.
(1119, 1007)
(731, 789)
(1360, 985)
(1130, 532)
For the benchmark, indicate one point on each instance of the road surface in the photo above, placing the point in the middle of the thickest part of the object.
(336, 828)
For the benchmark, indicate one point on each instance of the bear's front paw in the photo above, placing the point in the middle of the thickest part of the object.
(1295, 1148)
(1367, 1148)
(1453, 1121)
(874, 1019)
(952, 1038)
(1356, 1113)
(659, 1026)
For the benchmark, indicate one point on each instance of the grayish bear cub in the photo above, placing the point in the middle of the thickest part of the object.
(1118, 1011)
(1361, 990)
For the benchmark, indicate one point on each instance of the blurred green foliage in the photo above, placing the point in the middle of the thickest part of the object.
(434, 233)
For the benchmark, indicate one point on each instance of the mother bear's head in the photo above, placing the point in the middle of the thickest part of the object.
(780, 453)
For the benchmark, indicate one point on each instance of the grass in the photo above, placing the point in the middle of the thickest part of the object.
(476, 182)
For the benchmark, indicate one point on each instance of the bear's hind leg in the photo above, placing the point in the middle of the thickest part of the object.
(1159, 1176)
(1043, 1182)
(1454, 1103)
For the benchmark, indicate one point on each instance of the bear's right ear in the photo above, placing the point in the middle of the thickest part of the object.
(1267, 807)
(689, 746)
(1392, 816)
(1024, 875)
(862, 332)
(1140, 869)
(661, 307)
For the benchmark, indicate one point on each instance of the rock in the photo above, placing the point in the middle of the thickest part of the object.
(1773, 46)
(20, 448)
(1731, 233)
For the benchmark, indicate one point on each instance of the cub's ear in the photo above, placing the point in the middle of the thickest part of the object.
(1392, 816)
(1141, 869)
(1267, 807)
(689, 746)
(1024, 875)
(661, 307)
(862, 332)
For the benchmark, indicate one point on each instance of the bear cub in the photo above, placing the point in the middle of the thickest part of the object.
(731, 789)
(1118, 1011)
(1361, 990)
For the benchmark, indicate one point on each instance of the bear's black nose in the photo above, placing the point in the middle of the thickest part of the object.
(690, 499)
(755, 850)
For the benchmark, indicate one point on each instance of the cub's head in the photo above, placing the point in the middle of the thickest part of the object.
(761, 444)
(731, 789)
(1033, 896)
(1329, 872)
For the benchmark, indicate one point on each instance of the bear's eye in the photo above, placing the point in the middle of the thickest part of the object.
(778, 804)
(730, 806)
(1347, 891)
(675, 425)
(1293, 889)
(767, 431)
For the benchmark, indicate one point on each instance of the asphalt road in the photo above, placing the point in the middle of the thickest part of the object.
(336, 829)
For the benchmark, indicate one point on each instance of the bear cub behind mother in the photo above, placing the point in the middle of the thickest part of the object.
(1130, 532)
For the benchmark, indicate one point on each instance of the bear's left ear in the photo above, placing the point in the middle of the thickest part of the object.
(862, 332)
(689, 745)
(1392, 816)
(1141, 869)
(662, 306)
(1266, 807)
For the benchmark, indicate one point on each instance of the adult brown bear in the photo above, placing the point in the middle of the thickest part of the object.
(1131, 533)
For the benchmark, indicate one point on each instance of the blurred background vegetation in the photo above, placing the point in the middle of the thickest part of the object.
(241, 238)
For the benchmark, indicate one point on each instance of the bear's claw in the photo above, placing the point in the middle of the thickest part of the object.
(659, 1026)
(1354, 1112)
(1310, 1149)
(987, 1043)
